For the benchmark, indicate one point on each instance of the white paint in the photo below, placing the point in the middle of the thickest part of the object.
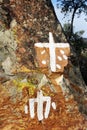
(65, 57)
(48, 105)
(40, 100)
(51, 45)
(61, 51)
(44, 62)
(59, 58)
(31, 105)
(43, 52)
(40, 105)
(24, 81)
(26, 109)
(57, 45)
(52, 53)
(40, 45)
(54, 105)
(58, 66)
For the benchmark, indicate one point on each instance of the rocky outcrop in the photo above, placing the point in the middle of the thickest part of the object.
(20, 77)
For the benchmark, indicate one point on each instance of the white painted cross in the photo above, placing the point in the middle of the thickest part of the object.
(40, 100)
(52, 52)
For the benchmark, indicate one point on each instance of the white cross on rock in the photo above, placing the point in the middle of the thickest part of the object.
(57, 57)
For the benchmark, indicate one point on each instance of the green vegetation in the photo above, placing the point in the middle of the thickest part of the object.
(76, 39)
(74, 7)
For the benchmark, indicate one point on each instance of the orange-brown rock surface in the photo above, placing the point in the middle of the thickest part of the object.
(65, 117)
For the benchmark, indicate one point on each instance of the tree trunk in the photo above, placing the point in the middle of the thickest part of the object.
(72, 21)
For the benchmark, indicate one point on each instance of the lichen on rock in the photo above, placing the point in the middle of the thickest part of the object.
(8, 47)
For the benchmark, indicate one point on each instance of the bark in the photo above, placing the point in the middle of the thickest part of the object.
(72, 21)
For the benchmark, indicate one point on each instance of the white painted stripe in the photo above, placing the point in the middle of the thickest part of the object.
(31, 104)
(26, 109)
(43, 52)
(54, 105)
(59, 58)
(65, 57)
(57, 45)
(58, 66)
(61, 51)
(52, 53)
(48, 105)
(44, 62)
(40, 105)
(38, 45)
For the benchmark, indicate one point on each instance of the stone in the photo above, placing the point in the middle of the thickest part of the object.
(43, 81)
(34, 14)
(1, 1)
(13, 23)
(8, 47)
(40, 101)
(53, 56)
(26, 109)
(7, 65)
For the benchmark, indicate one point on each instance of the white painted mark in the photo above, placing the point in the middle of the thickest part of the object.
(43, 52)
(61, 51)
(54, 105)
(40, 101)
(48, 105)
(58, 66)
(31, 104)
(57, 45)
(52, 53)
(40, 105)
(65, 57)
(44, 62)
(26, 109)
(59, 58)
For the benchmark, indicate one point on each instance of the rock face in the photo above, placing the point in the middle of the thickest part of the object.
(29, 22)
(53, 56)
(36, 20)
(8, 47)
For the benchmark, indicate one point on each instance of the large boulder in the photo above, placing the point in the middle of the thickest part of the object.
(26, 23)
